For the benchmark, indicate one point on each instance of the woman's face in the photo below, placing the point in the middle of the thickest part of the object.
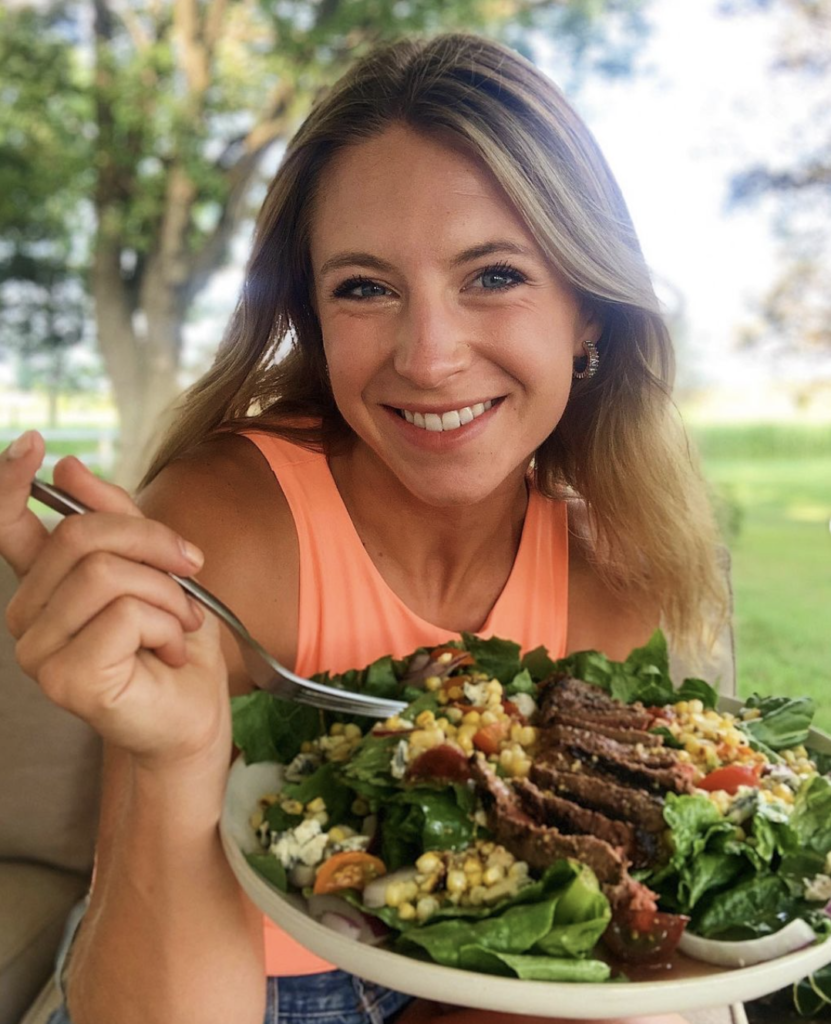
(449, 338)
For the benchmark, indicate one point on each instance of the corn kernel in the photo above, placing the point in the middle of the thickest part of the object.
(306, 747)
(360, 807)
(425, 719)
(445, 657)
(292, 806)
(456, 881)
(316, 805)
(432, 683)
(337, 835)
(394, 894)
(528, 736)
(488, 718)
(406, 911)
(494, 874)
(471, 718)
(336, 729)
(352, 731)
(454, 715)
(466, 743)
(256, 820)
(427, 863)
(476, 896)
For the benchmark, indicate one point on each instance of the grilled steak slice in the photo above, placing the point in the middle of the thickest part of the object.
(623, 771)
(563, 737)
(540, 845)
(572, 819)
(642, 811)
(563, 695)
(599, 794)
(633, 736)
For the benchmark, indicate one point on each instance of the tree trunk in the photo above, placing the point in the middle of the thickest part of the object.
(143, 373)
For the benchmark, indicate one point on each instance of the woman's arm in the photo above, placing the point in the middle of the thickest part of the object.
(169, 936)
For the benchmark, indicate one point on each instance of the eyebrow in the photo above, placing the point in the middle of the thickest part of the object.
(475, 252)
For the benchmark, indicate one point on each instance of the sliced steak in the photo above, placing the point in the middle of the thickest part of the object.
(540, 845)
(600, 794)
(627, 773)
(633, 736)
(571, 819)
(642, 811)
(564, 737)
(564, 695)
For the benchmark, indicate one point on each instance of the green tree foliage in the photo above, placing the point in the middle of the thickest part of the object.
(132, 131)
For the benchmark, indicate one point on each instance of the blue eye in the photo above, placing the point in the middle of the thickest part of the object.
(500, 277)
(358, 288)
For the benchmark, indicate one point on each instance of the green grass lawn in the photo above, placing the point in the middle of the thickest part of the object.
(781, 506)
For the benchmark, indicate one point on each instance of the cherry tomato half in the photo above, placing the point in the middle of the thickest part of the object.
(352, 869)
(644, 936)
(441, 762)
(729, 778)
(488, 738)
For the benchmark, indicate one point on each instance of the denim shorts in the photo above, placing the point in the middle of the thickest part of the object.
(331, 998)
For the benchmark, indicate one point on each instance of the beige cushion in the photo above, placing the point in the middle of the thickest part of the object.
(49, 768)
(34, 903)
(48, 1000)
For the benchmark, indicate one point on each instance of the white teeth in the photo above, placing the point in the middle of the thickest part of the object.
(451, 420)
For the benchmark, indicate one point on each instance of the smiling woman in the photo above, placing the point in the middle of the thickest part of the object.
(443, 405)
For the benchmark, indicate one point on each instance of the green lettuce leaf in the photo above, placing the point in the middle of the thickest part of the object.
(270, 868)
(327, 784)
(758, 906)
(537, 920)
(784, 721)
(532, 968)
(268, 729)
(499, 658)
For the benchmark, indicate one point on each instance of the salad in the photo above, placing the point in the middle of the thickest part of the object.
(547, 820)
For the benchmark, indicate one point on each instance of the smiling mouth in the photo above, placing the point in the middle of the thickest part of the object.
(450, 420)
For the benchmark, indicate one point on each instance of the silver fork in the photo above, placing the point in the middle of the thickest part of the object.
(266, 672)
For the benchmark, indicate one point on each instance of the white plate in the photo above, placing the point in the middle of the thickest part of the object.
(688, 985)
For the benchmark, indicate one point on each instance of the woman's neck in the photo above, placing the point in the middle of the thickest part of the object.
(447, 564)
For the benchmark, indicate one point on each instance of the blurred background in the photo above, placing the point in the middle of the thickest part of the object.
(137, 138)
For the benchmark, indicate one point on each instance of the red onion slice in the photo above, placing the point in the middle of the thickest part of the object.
(795, 935)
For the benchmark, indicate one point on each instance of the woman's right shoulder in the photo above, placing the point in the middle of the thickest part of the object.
(224, 497)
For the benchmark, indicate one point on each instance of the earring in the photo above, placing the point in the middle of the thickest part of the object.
(592, 361)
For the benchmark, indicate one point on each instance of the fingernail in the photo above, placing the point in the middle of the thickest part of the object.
(192, 553)
(21, 445)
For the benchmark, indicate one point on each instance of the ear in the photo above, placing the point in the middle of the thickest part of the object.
(588, 326)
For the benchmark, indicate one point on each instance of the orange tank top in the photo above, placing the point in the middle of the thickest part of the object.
(349, 616)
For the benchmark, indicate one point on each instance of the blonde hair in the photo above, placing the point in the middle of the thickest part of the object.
(619, 444)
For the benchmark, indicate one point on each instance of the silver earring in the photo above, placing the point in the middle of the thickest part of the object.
(592, 361)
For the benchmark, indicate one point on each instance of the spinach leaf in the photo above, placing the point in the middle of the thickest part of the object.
(270, 868)
(784, 721)
(268, 729)
(499, 658)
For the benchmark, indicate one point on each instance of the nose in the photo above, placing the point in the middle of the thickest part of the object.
(431, 342)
